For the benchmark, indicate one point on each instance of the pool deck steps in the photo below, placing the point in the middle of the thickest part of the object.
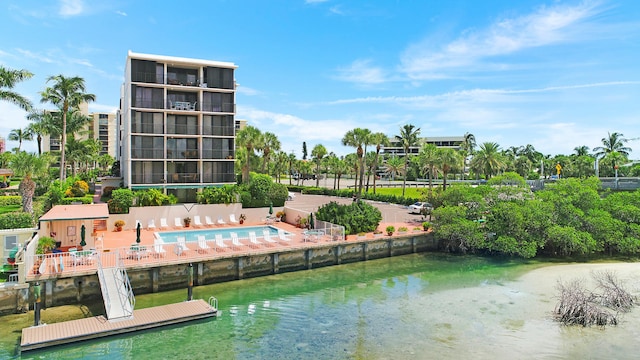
(43, 336)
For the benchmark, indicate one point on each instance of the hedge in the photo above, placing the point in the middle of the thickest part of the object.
(10, 200)
(70, 200)
(16, 220)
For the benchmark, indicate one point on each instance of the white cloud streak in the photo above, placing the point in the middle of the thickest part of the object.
(546, 26)
(70, 8)
(361, 72)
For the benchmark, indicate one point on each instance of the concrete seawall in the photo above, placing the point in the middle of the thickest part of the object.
(161, 277)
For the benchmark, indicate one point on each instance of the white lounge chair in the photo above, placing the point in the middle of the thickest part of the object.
(207, 220)
(163, 223)
(151, 224)
(178, 222)
(283, 236)
(202, 244)
(158, 248)
(181, 245)
(220, 242)
(196, 221)
(232, 219)
(221, 222)
(235, 241)
(266, 234)
(253, 239)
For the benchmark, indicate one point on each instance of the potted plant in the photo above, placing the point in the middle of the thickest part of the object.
(390, 229)
(402, 229)
(45, 245)
(417, 228)
(362, 235)
(242, 218)
(426, 226)
(377, 233)
(187, 221)
(280, 216)
(119, 224)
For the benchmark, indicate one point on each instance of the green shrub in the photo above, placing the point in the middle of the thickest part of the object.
(154, 197)
(70, 200)
(390, 229)
(45, 244)
(225, 194)
(16, 220)
(121, 201)
(263, 191)
(355, 217)
(10, 200)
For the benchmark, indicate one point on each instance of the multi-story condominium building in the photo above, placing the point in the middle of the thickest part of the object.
(3, 145)
(395, 147)
(177, 128)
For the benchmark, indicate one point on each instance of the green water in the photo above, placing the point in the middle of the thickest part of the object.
(419, 306)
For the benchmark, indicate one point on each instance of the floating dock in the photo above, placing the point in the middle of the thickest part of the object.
(43, 336)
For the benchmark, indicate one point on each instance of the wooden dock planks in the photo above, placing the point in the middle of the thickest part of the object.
(39, 337)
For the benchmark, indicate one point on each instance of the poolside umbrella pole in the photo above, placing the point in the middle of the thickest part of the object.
(83, 234)
(270, 208)
(311, 226)
(138, 228)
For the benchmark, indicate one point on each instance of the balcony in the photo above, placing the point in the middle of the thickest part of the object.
(182, 79)
(183, 178)
(182, 105)
(224, 107)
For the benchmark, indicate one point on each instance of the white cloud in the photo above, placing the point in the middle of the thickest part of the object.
(247, 91)
(546, 26)
(361, 72)
(121, 13)
(71, 7)
(36, 56)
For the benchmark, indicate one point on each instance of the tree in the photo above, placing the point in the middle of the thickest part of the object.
(20, 135)
(393, 166)
(291, 158)
(488, 160)
(42, 123)
(67, 93)
(613, 142)
(408, 138)
(582, 150)
(8, 80)
(448, 159)
(304, 150)
(318, 153)
(428, 161)
(379, 140)
(270, 143)
(357, 138)
(28, 166)
(249, 138)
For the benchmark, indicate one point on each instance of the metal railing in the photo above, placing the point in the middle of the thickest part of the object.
(124, 278)
(103, 286)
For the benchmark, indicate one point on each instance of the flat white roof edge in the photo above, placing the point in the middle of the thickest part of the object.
(180, 60)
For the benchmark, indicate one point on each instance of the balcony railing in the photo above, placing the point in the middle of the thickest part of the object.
(182, 178)
(225, 107)
(145, 77)
(183, 155)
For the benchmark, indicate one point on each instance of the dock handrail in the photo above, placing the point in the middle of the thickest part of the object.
(213, 302)
(103, 287)
(122, 273)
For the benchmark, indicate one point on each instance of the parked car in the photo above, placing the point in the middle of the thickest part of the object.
(291, 196)
(417, 208)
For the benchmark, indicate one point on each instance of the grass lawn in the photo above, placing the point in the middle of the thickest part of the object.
(408, 192)
(10, 208)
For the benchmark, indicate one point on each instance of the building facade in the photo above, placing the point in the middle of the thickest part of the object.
(176, 124)
(395, 147)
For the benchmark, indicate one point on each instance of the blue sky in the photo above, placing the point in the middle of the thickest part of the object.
(554, 74)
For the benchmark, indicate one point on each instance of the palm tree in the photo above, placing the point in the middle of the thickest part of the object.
(67, 93)
(42, 123)
(488, 160)
(393, 166)
(339, 168)
(408, 138)
(270, 143)
(8, 80)
(448, 159)
(468, 144)
(318, 153)
(614, 142)
(358, 138)
(379, 140)
(28, 165)
(280, 165)
(581, 150)
(291, 159)
(20, 135)
(250, 138)
(428, 160)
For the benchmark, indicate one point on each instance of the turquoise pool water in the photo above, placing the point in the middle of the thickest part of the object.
(210, 234)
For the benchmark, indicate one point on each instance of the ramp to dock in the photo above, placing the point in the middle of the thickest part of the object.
(38, 337)
(116, 297)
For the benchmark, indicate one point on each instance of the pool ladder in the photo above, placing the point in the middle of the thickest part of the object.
(213, 302)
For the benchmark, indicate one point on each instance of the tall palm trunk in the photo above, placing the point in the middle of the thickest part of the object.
(27, 189)
(63, 142)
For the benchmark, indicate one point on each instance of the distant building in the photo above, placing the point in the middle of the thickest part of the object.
(176, 124)
(395, 148)
(3, 145)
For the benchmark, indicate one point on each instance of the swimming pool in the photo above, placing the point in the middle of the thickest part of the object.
(210, 234)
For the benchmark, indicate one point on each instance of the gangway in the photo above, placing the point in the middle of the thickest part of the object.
(117, 294)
